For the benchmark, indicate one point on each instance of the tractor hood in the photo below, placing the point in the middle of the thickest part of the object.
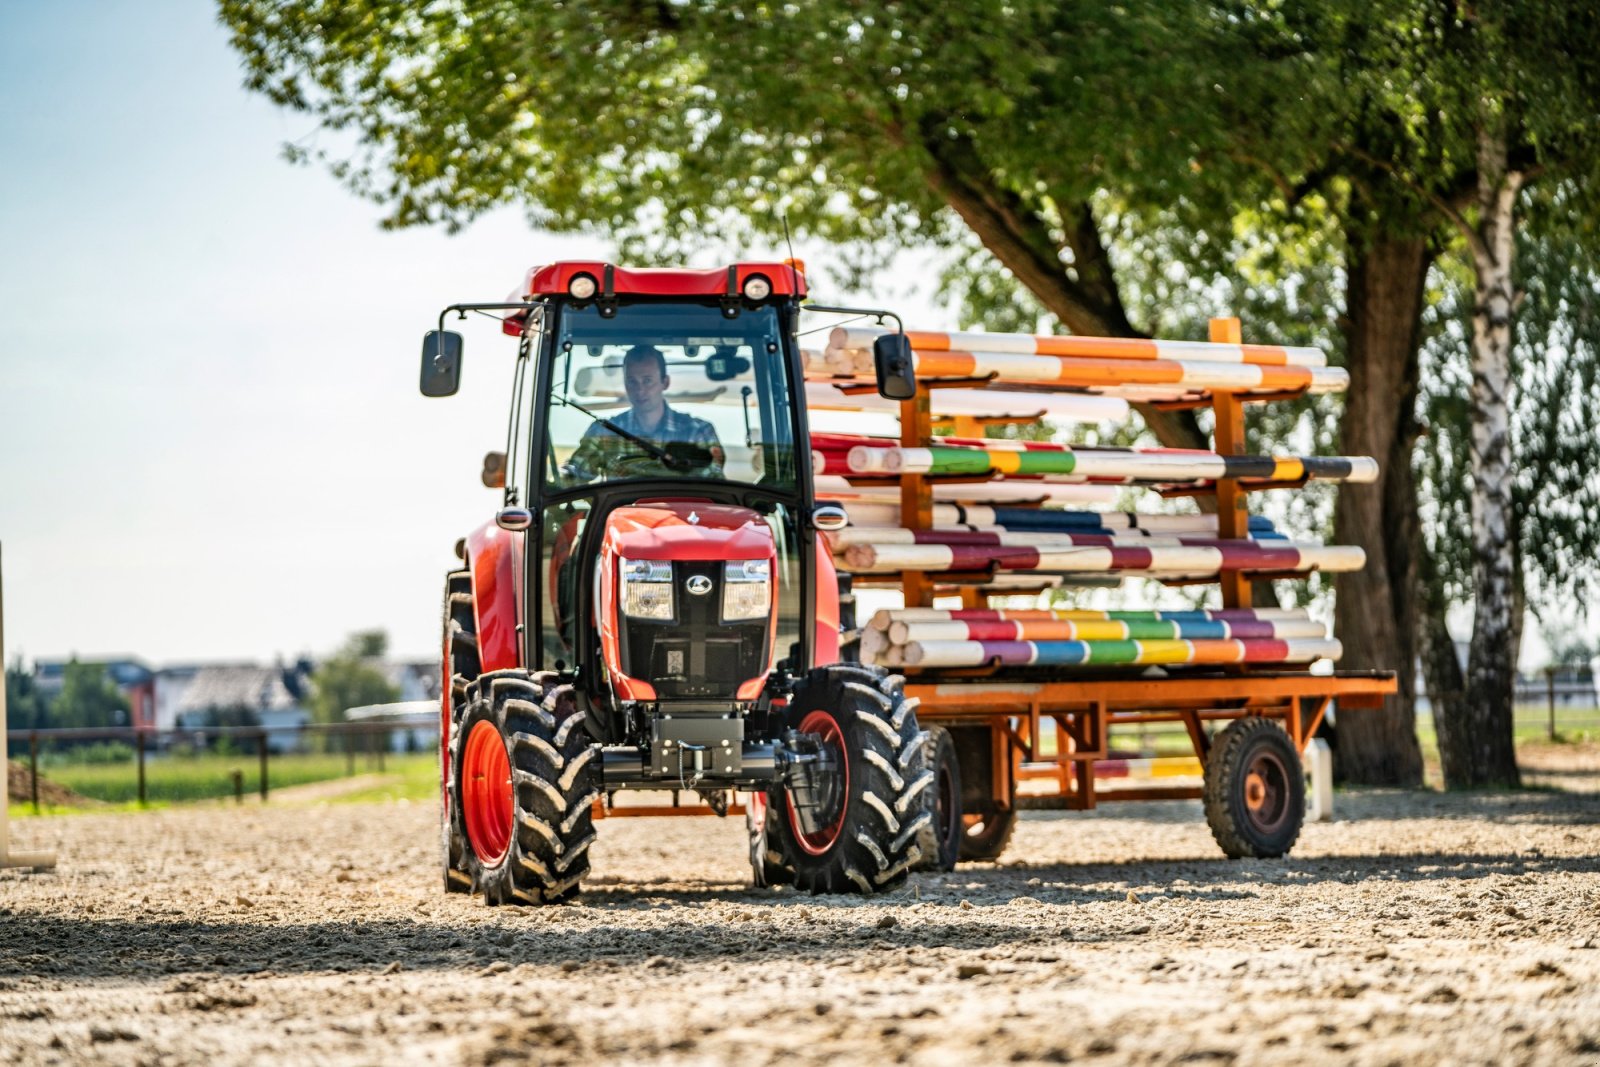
(688, 530)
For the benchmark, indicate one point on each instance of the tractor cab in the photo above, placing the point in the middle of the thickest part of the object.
(656, 576)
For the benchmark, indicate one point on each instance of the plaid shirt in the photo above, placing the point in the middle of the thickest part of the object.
(603, 453)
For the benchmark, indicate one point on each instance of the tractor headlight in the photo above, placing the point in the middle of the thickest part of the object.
(746, 589)
(647, 588)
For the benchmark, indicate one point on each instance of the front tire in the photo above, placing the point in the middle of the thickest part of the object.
(462, 667)
(868, 835)
(524, 775)
(761, 818)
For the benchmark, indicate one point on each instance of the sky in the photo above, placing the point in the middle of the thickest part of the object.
(212, 446)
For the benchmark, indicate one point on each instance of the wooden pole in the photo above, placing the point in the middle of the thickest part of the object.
(916, 497)
(139, 743)
(1550, 696)
(1233, 522)
(8, 858)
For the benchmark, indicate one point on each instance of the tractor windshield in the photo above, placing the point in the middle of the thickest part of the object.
(675, 390)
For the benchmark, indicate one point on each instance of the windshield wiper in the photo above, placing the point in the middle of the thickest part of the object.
(651, 447)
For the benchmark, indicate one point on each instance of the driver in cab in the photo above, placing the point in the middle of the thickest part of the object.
(603, 452)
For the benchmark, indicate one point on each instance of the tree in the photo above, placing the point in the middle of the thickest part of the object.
(1555, 494)
(1485, 98)
(351, 678)
(671, 124)
(88, 699)
(26, 708)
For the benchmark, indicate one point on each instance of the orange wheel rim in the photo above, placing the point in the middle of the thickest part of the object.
(1266, 792)
(486, 799)
(827, 729)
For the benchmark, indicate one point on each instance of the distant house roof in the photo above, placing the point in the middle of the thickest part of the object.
(413, 680)
(256, 688)
(124, 672)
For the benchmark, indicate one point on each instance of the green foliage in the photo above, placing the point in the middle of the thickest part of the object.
(351, 678)
(88, 699)
(26, 708)
(1556, 366)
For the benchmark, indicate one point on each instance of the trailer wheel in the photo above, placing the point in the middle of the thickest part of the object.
(761, 825)
(941, 839)
(867, 839)
(983, 839)
(524, 774)
(1255, 789)
(986, 827)
(462, 666)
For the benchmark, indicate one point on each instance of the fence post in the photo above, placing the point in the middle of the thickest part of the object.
(238, 786)
(263, 766)
(383, 743)
(349, 754)
(139, 746)
(33, 769)
(1550, 696)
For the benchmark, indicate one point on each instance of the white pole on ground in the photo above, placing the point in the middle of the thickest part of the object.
(1319, 758)
(36, 860)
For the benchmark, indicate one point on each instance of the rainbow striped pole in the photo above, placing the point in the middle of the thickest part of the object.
(1146, 465)
(884, 618)
(1116, 653)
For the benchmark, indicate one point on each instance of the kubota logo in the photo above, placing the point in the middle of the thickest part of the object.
(698, 584)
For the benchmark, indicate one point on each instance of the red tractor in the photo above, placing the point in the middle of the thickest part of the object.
(651, 608)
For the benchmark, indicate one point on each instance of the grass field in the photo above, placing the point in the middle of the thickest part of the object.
(171, 779)
(414, 776)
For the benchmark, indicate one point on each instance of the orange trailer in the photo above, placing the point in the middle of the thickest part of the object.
(994, 728)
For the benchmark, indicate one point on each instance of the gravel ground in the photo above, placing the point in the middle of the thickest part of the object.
(1426, 927)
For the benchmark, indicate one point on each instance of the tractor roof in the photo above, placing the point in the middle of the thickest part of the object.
(785, 279)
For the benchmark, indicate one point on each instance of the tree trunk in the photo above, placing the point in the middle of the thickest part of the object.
(1441, 666)
(1375, 611)
(1485, 724)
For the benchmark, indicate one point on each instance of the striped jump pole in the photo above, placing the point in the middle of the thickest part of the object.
(1117, 653)
(1144, 465)
(884, 618)
(949, 403)
(1186, 560)
(1160, 378)
(845, 338)
(1013, 492)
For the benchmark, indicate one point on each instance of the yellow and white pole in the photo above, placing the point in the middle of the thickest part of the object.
(8, 858)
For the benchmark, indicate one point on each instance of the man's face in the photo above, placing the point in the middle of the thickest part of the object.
(645, 384)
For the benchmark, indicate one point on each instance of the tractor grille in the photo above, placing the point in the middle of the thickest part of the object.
(696, 655)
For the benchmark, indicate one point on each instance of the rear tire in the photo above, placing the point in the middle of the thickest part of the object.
(941, 838)
(1255, 789)
(463, 667)
(761, 825)
(986, 827)
(523, 777)
(869, 841)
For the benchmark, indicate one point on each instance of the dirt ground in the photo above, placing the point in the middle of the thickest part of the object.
(1418, 927)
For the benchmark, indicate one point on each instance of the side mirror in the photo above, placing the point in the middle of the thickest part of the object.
(513, 519)
(494, 470)
(441, 363)
(897, 375)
